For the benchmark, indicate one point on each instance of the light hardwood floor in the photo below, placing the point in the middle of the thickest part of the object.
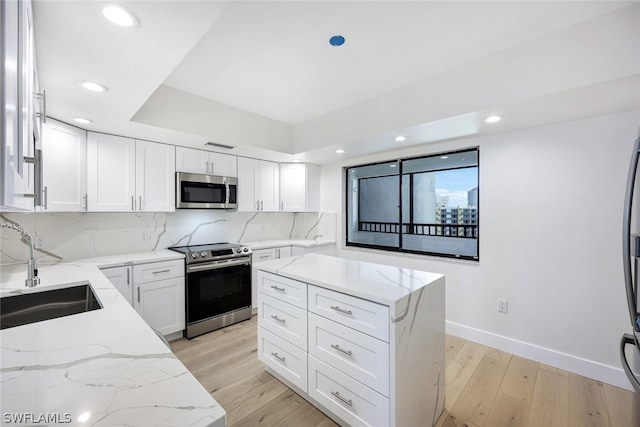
(485, 387)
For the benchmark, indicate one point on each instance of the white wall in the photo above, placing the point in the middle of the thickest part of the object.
(551, 203)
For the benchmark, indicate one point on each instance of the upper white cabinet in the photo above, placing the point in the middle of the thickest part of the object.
(18, 79)
(206, 162)
(155, 177)
(111, 178)
(299, 187)
(258, 185)
(125, 175)
(64, 169)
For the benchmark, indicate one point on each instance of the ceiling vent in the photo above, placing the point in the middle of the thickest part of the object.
(215, 144)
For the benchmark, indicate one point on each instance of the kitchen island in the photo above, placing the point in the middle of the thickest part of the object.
(363, 342)
(103, 367)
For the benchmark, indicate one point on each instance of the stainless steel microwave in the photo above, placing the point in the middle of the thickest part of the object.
(199, 191)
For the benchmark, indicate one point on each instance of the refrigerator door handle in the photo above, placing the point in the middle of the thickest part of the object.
(628, 339)
(626, 237)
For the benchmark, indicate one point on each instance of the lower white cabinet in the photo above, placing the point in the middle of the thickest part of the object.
(344, 370)
(266, 254)
(161, 304)
(121, 278)
(155, 290)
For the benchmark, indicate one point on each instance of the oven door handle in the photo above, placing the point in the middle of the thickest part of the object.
(218, 264)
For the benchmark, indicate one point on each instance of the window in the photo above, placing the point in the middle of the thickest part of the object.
(436, 197)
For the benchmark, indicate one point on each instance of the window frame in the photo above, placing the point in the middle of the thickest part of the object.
(400, 161)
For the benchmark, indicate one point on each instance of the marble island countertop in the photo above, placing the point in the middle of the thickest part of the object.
(106, 366)
(384, 284)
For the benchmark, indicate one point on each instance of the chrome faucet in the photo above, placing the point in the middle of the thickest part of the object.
(32, 269)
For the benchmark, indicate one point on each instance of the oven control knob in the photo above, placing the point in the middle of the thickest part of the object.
(194, 255)
(203, 254)
(238, 250)
(246, 249)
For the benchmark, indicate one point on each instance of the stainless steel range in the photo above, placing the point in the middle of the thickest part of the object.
(218, 286)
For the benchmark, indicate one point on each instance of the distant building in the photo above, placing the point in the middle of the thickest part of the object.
(472, 197)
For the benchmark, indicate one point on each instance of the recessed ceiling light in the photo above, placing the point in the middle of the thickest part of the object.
(339, 151)
(393, 165)
(82, 120)
(296, 160)
(93, 86)
(118, 15)
(444, 157)
(493, 119)
(401, 138)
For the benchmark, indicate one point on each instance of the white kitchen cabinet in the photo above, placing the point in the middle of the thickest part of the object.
(159, 296)
(206, 162)
(258, 185)
(125, 175)
(64, 168)
(155, 177)
(299, 187)
(111, 178)
(121, 278)
(17, 73)
(260, 255)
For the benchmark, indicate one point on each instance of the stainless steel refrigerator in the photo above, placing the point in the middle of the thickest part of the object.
(630, 343)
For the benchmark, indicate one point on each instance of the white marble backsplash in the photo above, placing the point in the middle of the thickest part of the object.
(70, 236)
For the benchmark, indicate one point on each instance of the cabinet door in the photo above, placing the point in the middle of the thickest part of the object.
(268, 184)
(111, 164)
(155, 177)
(120, 277)
(161, 304)
(292, 187)
(223, 164)
(284, 252)
(247, 200)
(64, 169)
(263, 255)
(192, 161)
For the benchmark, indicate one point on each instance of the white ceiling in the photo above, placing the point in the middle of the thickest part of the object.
(262, 76)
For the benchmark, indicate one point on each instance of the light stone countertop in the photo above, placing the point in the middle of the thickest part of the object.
(267, 244)
(383, 284)
(107, 363)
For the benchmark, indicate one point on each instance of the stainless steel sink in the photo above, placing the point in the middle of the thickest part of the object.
(31, 307)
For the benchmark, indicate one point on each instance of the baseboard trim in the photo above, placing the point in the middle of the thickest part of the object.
(567, 362)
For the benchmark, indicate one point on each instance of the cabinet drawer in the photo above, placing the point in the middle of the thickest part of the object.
(362, 315)
(284, 320)
(282, 288)
(358, 355)
(263, 255)
(284, 358)
(356, 404)
(143, 273)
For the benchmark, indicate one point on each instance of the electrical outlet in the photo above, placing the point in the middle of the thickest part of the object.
(502, 305)
(39, 243)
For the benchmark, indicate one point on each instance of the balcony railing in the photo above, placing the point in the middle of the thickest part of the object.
(468, 231)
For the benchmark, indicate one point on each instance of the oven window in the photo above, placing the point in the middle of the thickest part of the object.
(197, 192)
(214, 292)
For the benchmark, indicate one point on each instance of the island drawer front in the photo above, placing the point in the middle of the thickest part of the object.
(284, 358)
(284, 320)
(362, 315)
(143, 273)
(358, 355)
(283, 288)
(353, 402)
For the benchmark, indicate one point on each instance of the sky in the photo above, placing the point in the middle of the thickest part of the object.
(455, 184)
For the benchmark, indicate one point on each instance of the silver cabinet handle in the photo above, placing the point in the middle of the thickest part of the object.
(46, 198)
(337, 394)
(280, 358)
(42, 97)
(138, 294)
(140, 203)
(337, 347)
(86, 202)
(133, 203)
(257, 205)
(264, 257)
(276, 318)
(207, 165)
(128, 278)
(161, 271)
(261, 205)
(277, 288)
(341, 310)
